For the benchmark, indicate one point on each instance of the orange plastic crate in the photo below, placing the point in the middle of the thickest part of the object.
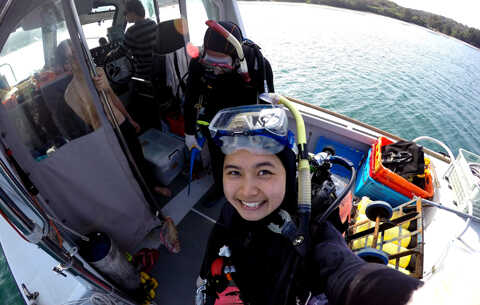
(397, 183)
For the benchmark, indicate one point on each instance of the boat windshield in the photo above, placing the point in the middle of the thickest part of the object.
(34, 78)
(95, 25)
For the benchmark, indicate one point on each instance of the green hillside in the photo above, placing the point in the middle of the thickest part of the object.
(387, 8)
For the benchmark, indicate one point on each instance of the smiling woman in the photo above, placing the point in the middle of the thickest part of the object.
(251, 257)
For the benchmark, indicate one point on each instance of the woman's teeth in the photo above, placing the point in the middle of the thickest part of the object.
(251, 205)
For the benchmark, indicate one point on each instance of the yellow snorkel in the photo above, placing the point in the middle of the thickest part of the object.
(304, 182)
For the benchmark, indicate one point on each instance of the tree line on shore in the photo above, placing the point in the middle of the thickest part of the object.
(387, 8)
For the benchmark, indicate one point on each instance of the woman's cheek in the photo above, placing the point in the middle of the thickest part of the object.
(229, 187)
(275, 190)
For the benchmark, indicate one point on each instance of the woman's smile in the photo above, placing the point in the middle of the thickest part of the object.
(252, 205)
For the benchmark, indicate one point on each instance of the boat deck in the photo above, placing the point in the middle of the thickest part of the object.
(177, 273)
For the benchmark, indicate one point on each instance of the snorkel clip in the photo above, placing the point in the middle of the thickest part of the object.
(289, 230)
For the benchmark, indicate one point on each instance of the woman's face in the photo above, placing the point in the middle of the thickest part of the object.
(253, 183)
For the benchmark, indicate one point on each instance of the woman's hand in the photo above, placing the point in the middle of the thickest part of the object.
(101, 81)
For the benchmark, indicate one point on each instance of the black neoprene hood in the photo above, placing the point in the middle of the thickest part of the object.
(215, 42)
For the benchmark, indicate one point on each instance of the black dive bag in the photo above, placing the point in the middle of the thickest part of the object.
(259, 68)
(405, 158)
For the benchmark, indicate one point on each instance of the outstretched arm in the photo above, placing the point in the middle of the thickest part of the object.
(350, 280)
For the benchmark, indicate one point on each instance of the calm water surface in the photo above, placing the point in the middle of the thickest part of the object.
(396, 76)
(393, 75)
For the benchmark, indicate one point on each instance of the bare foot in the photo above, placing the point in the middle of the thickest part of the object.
(164, 191)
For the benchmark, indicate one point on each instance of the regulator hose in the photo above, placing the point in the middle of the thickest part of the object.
(348, 165)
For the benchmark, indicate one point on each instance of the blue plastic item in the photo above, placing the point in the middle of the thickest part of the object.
(366, 186)
(373, 256)
(353, 155)
(380, 209)
(193, 156)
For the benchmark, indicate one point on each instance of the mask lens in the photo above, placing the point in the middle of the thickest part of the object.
(257, 128)
(218, 64)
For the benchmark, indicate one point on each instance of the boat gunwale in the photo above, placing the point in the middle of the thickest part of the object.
(367, 126)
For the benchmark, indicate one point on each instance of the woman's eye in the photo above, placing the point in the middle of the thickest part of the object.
(264, 172)
(233, 173)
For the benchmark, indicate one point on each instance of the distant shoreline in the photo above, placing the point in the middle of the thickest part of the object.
(433, 22)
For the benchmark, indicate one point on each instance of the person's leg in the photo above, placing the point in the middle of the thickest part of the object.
(135, 148)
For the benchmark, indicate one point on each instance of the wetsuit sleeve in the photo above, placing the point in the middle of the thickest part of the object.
(349, 280)
(192, 95)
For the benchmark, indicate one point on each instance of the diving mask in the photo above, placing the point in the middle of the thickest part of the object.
(217, 64)
(260, 129)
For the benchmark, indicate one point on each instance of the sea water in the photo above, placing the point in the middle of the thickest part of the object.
(393, 75)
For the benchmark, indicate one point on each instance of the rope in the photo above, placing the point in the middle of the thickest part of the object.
(94, 299)
(97, 299)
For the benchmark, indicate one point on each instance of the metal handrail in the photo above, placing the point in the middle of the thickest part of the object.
(11, 70)
(364, 125)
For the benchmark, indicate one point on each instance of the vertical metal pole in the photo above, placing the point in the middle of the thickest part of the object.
(157, 12)
(79, 42)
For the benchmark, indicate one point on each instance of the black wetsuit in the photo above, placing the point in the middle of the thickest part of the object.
(213, 93)
(266, 273)
(206, 94)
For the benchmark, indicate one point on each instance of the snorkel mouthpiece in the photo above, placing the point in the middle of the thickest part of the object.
(271, 98)
(236, 44)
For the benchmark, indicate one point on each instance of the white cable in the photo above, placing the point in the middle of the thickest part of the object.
(439, 261)
(77, 302)
(458, 236)
(450, 154)
(94, 299)
(101, 299)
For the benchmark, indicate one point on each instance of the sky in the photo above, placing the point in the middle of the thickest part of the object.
(463, 11)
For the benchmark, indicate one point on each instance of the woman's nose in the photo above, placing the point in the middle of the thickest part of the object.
(249, 187)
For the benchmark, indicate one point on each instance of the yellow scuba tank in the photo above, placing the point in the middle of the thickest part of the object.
(362, 205)
(388, 235)
(389, 247)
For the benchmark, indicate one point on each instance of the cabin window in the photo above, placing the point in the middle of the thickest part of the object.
(149, 6)
(197, 15)
(95, 25)
(168, 10)
(33, 82)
